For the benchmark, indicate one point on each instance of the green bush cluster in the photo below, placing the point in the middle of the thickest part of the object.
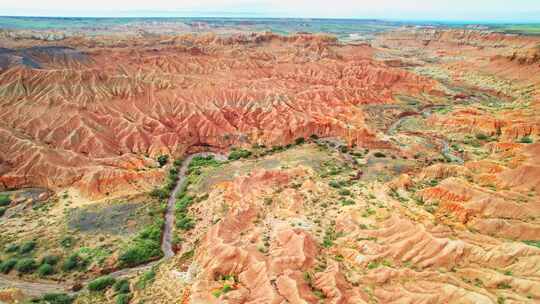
(54, 298)
(26, 265)
(7, 265)
(122, 290)
(101, 283)
(144, 247)
(238, 154)
(123, 298)
(50, 259)
(27, 247)
(73, 262)
(45, 270)
(183, 220)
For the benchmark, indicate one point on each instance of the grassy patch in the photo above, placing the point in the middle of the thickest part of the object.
(145, 247)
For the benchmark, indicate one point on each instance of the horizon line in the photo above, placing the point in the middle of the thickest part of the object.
(254, 16)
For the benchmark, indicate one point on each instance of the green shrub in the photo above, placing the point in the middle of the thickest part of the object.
(526, 140)
(379, 155)
(67, 242)
(50, 259)
(7, 266)
(4, 200)
(123, 298)
(45, 270)
(185, 222)
(140, 252)
(144, 247)
(2, 211)
(27, 247)
(238, 154)
(101, 283)
(344, 192)
(73, 262)
(347, 202)
(159, 193)
(121, 286)
(481, 136)
(226, 288)
(178, 162)
(163, 160)
(299, 141)
(55, 298)
(12, 248)
(26, 265)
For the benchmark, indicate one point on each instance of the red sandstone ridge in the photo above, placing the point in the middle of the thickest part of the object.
(93, 113)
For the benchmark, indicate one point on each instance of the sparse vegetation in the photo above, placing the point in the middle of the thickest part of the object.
(329, 237)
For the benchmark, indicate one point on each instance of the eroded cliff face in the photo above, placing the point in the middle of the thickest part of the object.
(92, 115)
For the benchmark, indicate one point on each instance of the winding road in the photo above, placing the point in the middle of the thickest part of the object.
(166, 242)
(37, 289)
(445, 150)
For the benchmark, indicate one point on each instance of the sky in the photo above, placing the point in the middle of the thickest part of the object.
(449, 10)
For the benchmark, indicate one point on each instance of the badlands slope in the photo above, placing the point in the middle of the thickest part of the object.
(94, 113)
(423, 186)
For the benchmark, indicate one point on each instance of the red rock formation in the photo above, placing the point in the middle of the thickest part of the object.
(91, 125)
